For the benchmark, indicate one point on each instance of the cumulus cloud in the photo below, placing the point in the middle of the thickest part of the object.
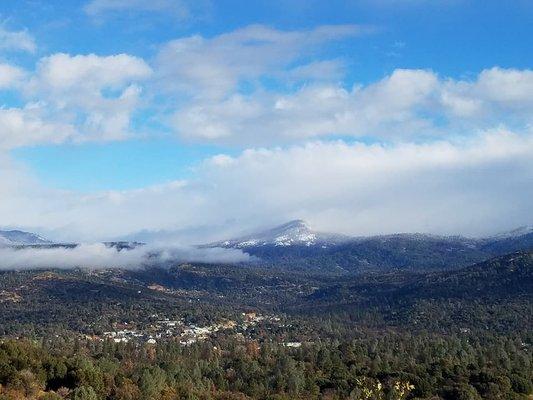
(403, 105)
(75, 98)
(72, 98)
(16, 40)
(99, 256)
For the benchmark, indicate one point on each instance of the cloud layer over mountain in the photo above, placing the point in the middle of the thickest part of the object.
(98, 256)
(473, 186)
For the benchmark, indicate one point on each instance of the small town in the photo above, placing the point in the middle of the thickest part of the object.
(162, 329)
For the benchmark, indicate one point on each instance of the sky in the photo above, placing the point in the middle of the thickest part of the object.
(200, 120)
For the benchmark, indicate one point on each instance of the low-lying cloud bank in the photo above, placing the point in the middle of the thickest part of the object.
(100, 256)
(472, 186)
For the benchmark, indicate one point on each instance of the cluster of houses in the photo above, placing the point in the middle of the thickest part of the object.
(187, 334)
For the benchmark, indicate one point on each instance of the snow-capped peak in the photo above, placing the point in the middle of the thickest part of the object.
(20, 238)
(295, 232)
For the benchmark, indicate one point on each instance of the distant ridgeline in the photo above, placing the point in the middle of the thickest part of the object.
(20, 240)
(17, 238)
(295, 245)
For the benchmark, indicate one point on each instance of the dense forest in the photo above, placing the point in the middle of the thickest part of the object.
(379, 366)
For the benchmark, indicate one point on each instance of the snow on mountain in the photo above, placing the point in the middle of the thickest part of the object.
(521, 231)
(20, 238)
(292, 233)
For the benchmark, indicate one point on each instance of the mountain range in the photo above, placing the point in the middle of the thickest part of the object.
(299, 233)
(296, 245)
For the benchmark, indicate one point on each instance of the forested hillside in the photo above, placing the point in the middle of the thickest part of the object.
(200, 331)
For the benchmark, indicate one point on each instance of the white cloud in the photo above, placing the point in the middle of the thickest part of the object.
(97, 256)
(72, 98)
(96, 94)
(495, 90)
(405, 104)
(26, 126)
(16, 40)
(362, 189)
(63, 73)
(472, 186)
(214, 67)
(385, 109)
(506, 85)
(220, 94)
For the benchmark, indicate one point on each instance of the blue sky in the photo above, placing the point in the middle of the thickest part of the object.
(120, 97)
